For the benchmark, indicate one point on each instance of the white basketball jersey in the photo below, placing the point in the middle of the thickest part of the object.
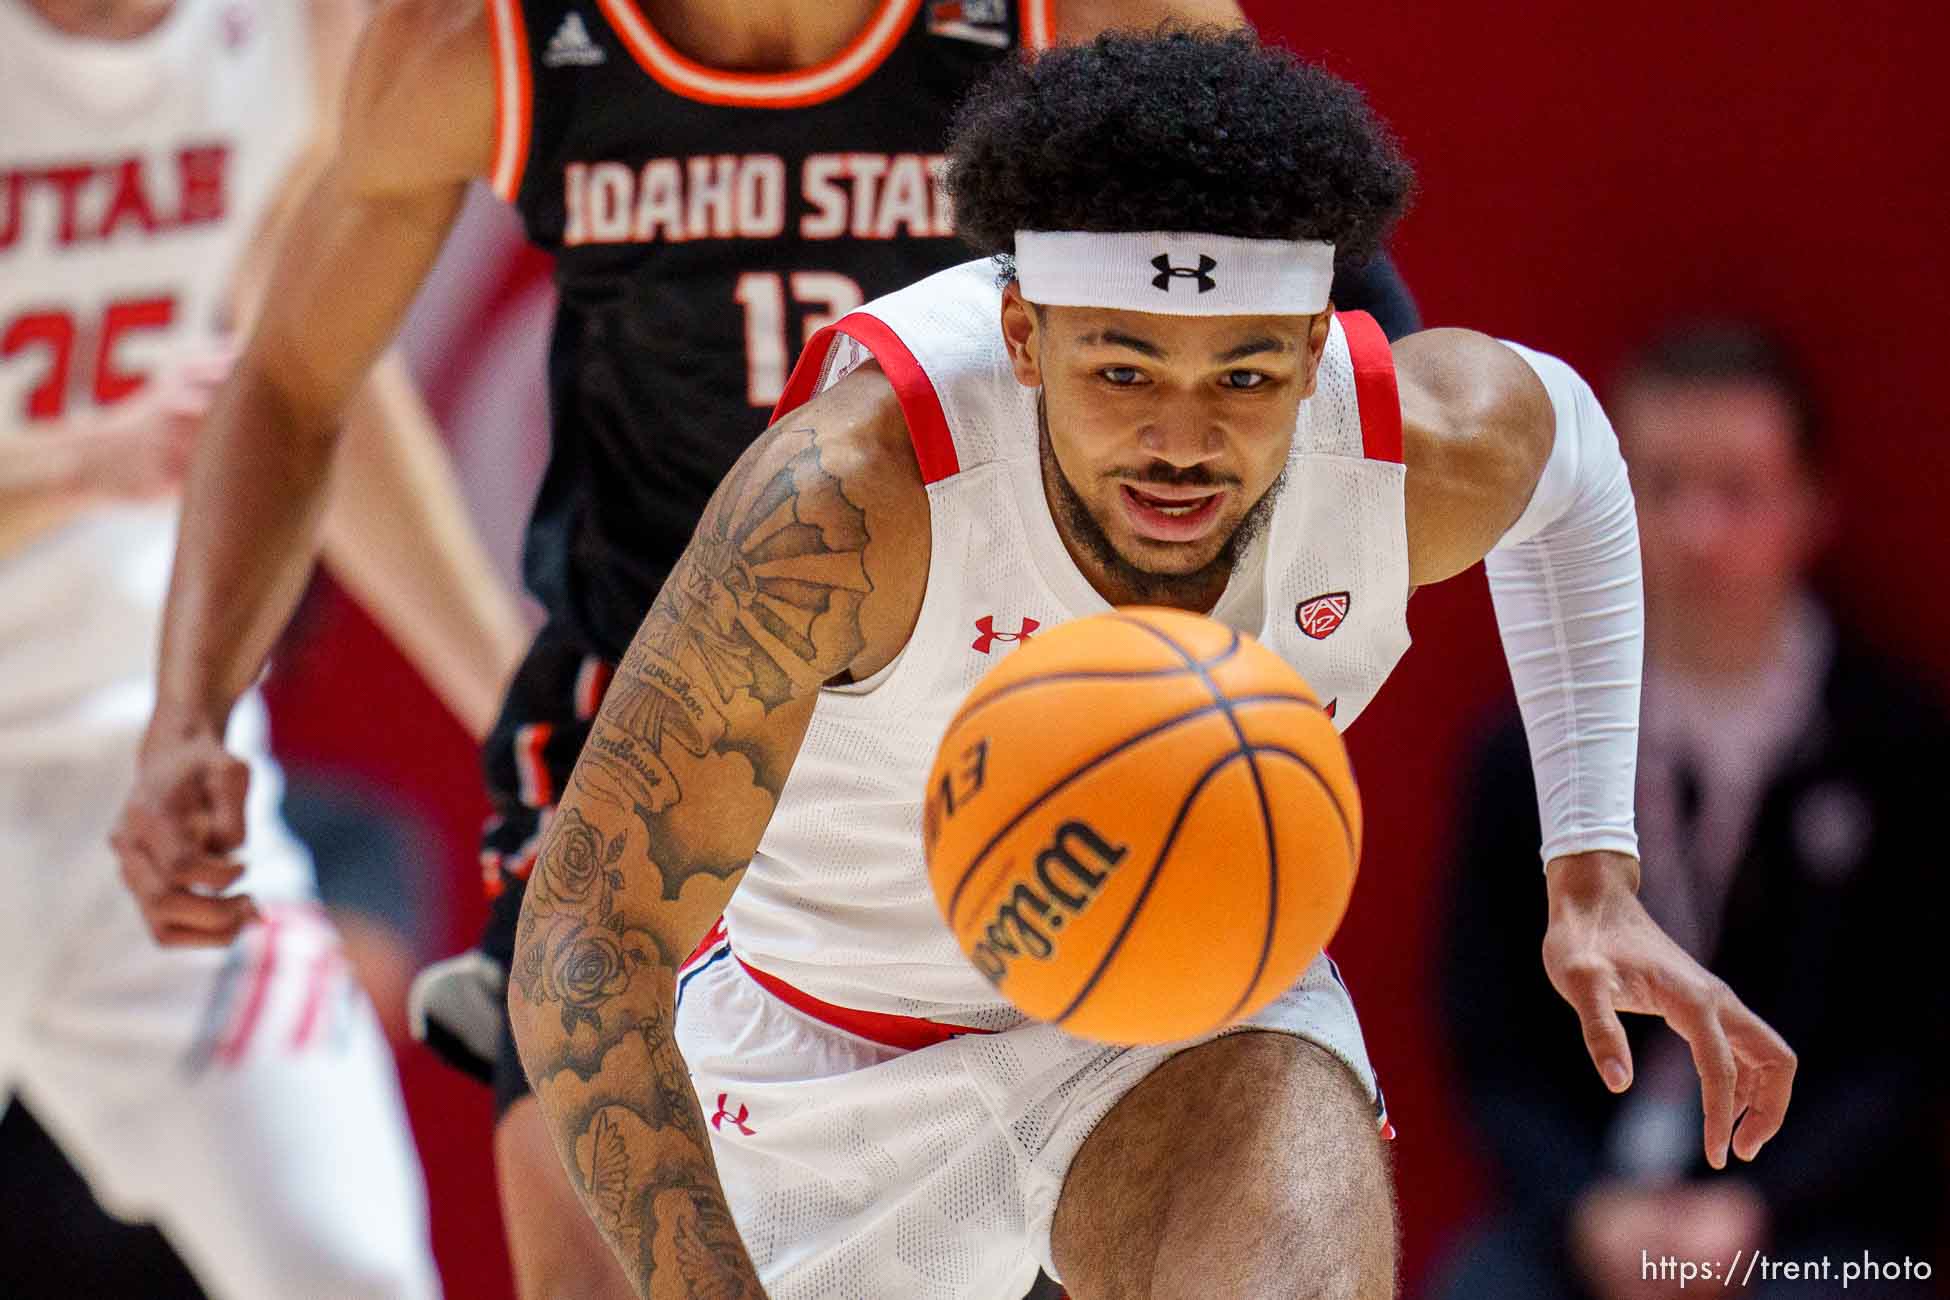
(837, 903)
(133, 174)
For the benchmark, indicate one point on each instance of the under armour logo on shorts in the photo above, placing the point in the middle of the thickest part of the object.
(1166, 273)
(737, 1121)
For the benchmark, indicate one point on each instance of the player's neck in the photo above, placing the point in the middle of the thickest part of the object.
(759, 35)
(103, 20)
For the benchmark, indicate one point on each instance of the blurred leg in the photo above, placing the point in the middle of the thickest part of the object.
(246, 1102)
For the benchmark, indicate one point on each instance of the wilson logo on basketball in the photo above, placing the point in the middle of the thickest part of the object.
(985, 625)
(1071, 872)
(1320, 616)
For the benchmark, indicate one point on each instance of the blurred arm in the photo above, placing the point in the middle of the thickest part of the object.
(417, 124)
(398, 536)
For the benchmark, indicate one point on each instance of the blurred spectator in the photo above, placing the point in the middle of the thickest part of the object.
(1791, 840)
(373, 857)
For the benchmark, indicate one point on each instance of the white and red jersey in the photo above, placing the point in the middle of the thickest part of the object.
(836, 905)
(133, 175)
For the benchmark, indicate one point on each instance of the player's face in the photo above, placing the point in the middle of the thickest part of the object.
(1162, 434)
(1727, 515)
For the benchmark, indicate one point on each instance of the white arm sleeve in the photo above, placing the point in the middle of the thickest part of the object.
(1571, 611)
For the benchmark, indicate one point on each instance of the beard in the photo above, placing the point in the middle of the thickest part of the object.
(1183, 590)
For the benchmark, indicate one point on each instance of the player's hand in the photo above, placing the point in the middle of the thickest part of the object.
(175, 836)
(139, 448)
(1605, 955)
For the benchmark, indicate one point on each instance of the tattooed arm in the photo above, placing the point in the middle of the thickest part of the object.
(808, 565)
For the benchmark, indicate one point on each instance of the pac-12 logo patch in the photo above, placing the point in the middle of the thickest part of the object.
(1320, 616)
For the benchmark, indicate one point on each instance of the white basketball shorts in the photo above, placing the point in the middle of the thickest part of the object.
(877, 1157)
(243, 1099)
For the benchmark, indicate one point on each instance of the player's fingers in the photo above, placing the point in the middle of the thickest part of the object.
(1604, 1038)
(211, 873)
(199, 919)
(1592, 993)
(1767, 1066)
(227, 784)
(152, 847)
(140, 872)
(1698, 1022)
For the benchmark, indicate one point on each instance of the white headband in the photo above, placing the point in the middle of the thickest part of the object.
(1178, 274)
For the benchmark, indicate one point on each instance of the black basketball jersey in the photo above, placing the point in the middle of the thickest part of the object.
(704, 224)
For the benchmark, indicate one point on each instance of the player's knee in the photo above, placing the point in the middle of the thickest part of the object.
(1248, 1166)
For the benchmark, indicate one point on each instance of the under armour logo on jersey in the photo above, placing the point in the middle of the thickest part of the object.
(1167, 273)
(1320, 616)
(737, 1121)
(989, 636)
(571, 45)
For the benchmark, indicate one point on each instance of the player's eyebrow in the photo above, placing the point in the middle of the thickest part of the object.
(1253, 347)
(1119, 339)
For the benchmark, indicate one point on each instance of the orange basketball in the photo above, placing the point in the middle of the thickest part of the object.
(1141, 826)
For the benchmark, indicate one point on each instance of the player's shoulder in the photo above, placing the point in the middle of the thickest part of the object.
(419, 106)
(847, 459)
(1477, 428)
(861, 438)
(1469, 404)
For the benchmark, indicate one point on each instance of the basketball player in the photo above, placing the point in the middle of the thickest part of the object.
(244, 1100)
(717, 181)
(1134, 417)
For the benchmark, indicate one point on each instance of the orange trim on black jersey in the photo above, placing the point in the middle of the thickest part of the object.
(1375, 396)
(1038, 25)
(795, 89)
(514, 97)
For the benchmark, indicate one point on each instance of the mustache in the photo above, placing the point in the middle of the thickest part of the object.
(1156, 475)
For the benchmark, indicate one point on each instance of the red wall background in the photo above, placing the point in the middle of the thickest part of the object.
(1588, 170)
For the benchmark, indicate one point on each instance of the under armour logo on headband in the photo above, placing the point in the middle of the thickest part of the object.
(1166, 271)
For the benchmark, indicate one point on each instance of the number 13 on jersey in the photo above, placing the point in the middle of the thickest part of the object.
(822, 297)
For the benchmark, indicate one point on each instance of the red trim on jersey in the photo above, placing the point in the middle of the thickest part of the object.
(514, 97)
(712, 938)
(795, 89)
(531, 772)
(324, 967)
(927, 424)
(592, 679)
(1375, 395)
(908, 1033)
(266, 966)
(1038, 28)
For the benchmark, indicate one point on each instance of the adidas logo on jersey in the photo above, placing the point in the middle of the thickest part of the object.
(986, 22)
(571, 46)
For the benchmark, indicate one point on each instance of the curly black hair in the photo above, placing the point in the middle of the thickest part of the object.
(1185, 129)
